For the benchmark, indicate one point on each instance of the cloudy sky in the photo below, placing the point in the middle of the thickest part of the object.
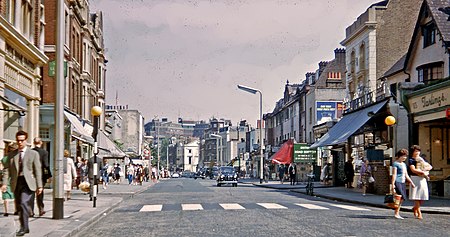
(185, 58)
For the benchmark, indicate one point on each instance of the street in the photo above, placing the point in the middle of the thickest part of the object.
(188, 207)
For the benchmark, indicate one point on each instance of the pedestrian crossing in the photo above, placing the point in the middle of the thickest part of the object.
(243, 206)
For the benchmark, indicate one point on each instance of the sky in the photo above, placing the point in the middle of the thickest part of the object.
(185, 58)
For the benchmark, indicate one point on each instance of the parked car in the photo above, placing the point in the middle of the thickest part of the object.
(175, 175)
(227, 175)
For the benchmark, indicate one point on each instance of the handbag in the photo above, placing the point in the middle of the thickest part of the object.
(371, 179)
(393, 200)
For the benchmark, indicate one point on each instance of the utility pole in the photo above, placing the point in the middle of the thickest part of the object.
(58, 146)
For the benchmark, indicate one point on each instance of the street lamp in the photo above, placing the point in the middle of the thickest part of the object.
(217, 148)
(253, 91)
(96, 111)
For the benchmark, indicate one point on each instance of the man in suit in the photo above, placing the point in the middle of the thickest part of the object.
(24, 168)
(43, 157)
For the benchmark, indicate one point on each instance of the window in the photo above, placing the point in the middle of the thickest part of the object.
(310, 115)
(429, 72)
(334, 75)
(429, 35)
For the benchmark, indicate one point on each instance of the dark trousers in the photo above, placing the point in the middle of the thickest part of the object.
(292, 179)
(23, 195)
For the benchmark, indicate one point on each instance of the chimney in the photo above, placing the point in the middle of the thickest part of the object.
(339, 54)
(322, 66)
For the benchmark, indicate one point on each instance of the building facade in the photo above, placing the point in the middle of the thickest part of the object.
(21, 60)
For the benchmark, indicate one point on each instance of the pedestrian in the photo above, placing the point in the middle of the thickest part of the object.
(84, 170)
(46, 174)
(69, 175)
(24, 169)
(105, 174)
(281, 172)
(399, 178)
(117, 173)
(266, 173)
(365, 174)
(130, 173)
(418, 191)
(349, 172)
(292, 173)
(78, 164)
(7, 194)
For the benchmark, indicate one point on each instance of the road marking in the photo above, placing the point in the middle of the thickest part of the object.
(352, 208)
(191, 207)
(231, 206)
(271, 206)
(312, 206)
(151, 208)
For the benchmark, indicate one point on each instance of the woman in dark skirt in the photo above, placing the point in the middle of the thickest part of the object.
(399, 178)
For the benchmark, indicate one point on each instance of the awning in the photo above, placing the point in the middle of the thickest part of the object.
(284, 155)
(108, 148)
(78, 129)
(11, 105)
(347, 126)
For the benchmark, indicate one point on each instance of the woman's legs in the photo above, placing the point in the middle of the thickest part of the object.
(5, 204)
(416, 209)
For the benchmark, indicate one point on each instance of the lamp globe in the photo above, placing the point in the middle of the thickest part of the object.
(389, 120)
(96, 111)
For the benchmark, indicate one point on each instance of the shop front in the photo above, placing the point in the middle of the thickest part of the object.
(360, 134)
(430, 117)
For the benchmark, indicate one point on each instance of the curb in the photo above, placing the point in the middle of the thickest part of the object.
(92, 219)
(296, 190)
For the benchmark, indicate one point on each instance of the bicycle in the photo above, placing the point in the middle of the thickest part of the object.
(310, 185)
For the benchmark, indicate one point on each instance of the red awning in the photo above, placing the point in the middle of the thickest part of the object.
(284, 155)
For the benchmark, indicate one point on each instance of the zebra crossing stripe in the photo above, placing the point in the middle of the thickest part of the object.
(312, 206)
(191, 207)
(146, 208)
(272, 206)
(231, 206)
(351, 208)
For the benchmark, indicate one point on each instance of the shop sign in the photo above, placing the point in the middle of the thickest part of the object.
(447, 113)
(302, 153)
(433, 100)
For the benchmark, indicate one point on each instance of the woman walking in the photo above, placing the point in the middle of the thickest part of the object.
(419, 187)
(399, 177)
(69, 175)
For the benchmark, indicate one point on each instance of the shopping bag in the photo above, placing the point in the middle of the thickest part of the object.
(371, 179)
(396, 200)
(389, 198)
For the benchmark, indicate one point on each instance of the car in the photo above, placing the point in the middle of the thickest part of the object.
(175, 175)
(201, 174)
(213, 172)
(227, 175)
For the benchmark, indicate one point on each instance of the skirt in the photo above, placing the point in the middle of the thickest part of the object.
(420, 192)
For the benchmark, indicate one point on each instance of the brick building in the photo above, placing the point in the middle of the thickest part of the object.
(84, 74)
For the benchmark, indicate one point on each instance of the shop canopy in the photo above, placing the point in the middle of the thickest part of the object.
(347, 126)
(107, 148)
(78, 130)
(284, 155)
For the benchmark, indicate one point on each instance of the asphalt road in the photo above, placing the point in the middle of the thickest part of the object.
(188, 207)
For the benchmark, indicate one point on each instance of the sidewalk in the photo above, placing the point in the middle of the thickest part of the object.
(436, 205)
(78, 211)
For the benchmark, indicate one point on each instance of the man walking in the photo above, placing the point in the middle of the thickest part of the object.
(43, 157)
(24, 168)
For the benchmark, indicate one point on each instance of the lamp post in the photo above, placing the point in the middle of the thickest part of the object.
(96, 111)
(217, 147)
(254, 91)
(390, 121)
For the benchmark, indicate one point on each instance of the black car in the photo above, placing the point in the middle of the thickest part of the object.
(227, 175)
(201, 174)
